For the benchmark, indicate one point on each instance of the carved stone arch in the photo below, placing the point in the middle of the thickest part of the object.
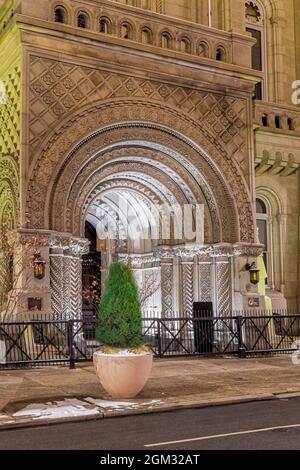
(189, 43)
(203, 48)
(143, 29)
(56, 4)
(268, 8)
(84, 169)
(88, 15)
(180, 181)
(271, 199)
(187, 134)
(81, 204)
(108, 21)
(222, 53)
(132, 29)
(166, 33)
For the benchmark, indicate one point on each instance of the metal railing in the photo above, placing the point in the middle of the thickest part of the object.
(67, 342)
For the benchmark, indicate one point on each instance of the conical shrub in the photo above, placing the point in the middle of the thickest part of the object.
(120, 318)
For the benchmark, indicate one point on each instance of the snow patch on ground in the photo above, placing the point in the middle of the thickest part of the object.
(111, 404)
(72, 407)
(107, 404)
(56, 410)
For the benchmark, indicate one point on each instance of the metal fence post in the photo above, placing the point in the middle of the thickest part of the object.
(159, 338)
(71, 343)
(241, 346)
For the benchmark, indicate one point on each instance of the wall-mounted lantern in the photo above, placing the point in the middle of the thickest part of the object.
(39, 267)
(254, 273)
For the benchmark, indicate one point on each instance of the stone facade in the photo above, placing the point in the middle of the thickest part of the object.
(153, 99)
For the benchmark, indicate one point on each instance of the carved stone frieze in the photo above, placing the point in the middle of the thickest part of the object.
(59, 88)
(204, 120)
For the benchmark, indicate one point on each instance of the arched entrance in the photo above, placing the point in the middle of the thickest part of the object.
(155, 161)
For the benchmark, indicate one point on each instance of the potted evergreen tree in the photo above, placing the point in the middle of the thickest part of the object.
(123, 364)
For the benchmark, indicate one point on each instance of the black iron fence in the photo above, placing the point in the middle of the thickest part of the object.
(67, 342)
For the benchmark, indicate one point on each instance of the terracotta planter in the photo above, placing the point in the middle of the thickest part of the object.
(123, 376)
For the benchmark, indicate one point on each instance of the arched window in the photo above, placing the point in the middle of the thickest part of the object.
(104, 26)
(146, 35)
(82, 20)
(126, 31)
(60, 14)
(291, 124)
(263, 232)
(221, 54)
(255, 25)
(265, 120)
(277, 122)
(203, 49)
(185, 45)
(166, 40)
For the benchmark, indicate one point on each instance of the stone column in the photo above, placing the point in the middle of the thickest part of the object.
(66, 277)
(188, 286)
(57, 268)
(167, 293)
(204, 279)
(224, 286)
(75, 288)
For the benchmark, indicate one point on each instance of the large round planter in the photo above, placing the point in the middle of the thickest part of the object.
(123, 376)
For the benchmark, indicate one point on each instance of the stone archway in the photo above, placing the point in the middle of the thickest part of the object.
(161, 155)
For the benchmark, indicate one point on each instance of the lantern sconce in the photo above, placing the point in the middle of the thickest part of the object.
(254, 273)
(39, 267)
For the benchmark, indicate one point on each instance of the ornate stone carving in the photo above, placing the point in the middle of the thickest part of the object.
(41, 173)
(167, 288)
(66, 275)
(253, 13)
(10, 114)
(204, 280)
(59, 88)
(188, 287)
(139, 164)
(224, 283)
(56, 284)
(76, 287)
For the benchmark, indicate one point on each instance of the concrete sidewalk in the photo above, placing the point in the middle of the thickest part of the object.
(51, 395)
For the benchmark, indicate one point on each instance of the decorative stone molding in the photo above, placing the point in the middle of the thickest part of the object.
(35, 191)
(204, 279)
(276, 163)
(66, 275)
(58, 294)
(253, 13)
(76, 246)
(224, 286)
(167, 294)
(187, 266)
